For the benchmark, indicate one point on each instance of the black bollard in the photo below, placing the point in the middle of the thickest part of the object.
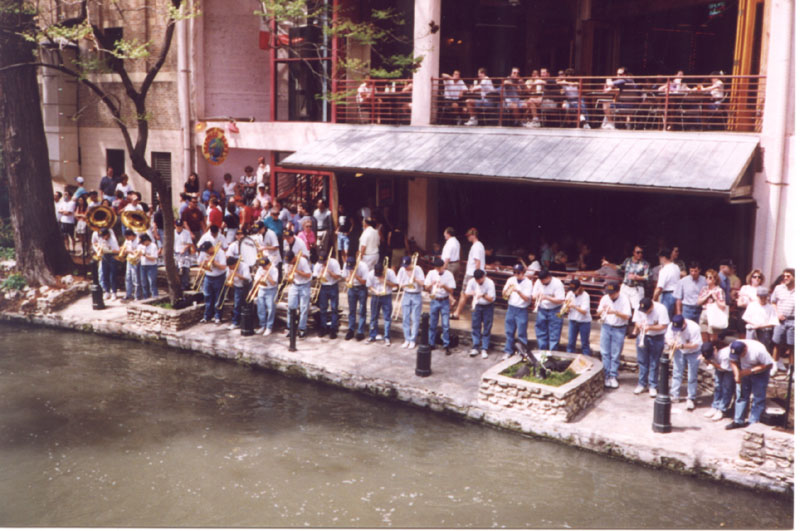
(293, 330)
(424, 349)
(248, 314)
(663, 404)
(96, 290)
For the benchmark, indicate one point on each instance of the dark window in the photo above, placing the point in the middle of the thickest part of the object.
(115, 158)
(162, 163)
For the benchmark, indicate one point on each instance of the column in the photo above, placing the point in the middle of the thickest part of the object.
(422, 211)
(427, 34)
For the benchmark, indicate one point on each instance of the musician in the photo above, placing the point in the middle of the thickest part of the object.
(356, 298)
(650, 320)
(213, 280)
(475, 260)
(668, 278)
(214, 236)
(129, 249)
(328, 295)
(300, 291)
(369, 243)
(548, 292)
(686, 334)
(184, 249)
(451, 252)
(108, 246)
(481, 289)
(239, 272)
(293, 244)
(751, 364)
(518, 289)
(411, 280)
(267, 277)
(724, 384)
(580, 318)
(233, 249)
(441, 284)
(380, 283)
(148, 272)
(614, 310)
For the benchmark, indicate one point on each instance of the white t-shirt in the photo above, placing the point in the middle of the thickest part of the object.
(207, 237)
(453, 88)
(219, 259)
(756, 354)
(271, 280)
(581, 301)
(555, 288)
(375, 284)
(404, 277)
(182, 241)
(668, 277)
(248, 180)
(361, 271)
(243, 270)
(525, 286)
(124, 188)
(261, 172)
(66, 211)
(690, 335)
(658, 315)
(304, 267)
(151, 249)
(445, 279)
(757, 315)
(229, 189)
(476, 252)
(270, 239)
(621, 305)
(533, 268)
(333, 269)
(298, 246)
(130, 207)
(451, 250)
(370, 240)
(478, 290)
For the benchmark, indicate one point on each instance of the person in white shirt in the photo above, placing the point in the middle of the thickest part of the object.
(475, 260)
(239, 273)
(453, 106)
(267, 279)
(517, 290)
(685, 335)
(263, 171)
(687, 293)
(214, 236)
(109, 246)
(148, 272)
(451, 252)
(533, 267)
(580, 317)
(783, 337)
(133, 203)
(724, 384)
(123, 185)
(761, 318)
(668, 278)
(328, 295)
(440, 284)
(293, 244)
(380, 282)
(213, 279)
(228, 189)
(651, 321)
(133, 290)
(262, 196)
(233, 249)
(66, 217)
(248, 182)
(270, 246)
(548, 292)
(411, 282)
(324, 218)
(481, 289)
(614, 310)
(368, 243)
(184, 249)
(300, 291)
(751, 364)
(356, 275)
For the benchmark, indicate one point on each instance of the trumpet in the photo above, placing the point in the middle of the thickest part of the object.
(642, 334)
(567, 304)
(385, 275)
(604, 312)
(316, 289)
(262, 281)
(288, 279)
(538, 301)
(352, 276)
(135, 257)
(396, 310)
(226, 288)
(205, 266)
(509, 290)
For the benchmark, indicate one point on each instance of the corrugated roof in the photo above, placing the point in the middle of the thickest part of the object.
(668, 161)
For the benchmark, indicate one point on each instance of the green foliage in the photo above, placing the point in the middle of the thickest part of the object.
(555, 379)
(132, 49)
(15, 281)
(7, 253)
(6, 234)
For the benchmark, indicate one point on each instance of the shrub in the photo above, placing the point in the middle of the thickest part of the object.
(15, 281)
(6, 233)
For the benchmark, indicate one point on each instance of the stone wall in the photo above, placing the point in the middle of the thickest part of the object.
(557, 403)
(769, 453)
(156, 319)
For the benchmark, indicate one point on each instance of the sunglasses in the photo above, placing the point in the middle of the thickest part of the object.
(757, 276)
(637, 252)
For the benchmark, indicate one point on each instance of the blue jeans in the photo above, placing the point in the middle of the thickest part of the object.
(378, 304)
(647, 357)
(329, 295)
(516, 321)
(357, 301)
(132, 281)
(482, 320)
(239, 294)
(755, 384)
(691, 312)
(265, 304)
(548, 328)
(679, 361)
(412, 311)
(440, 307)
(582, 328)
(611, 341)
(724, 385)
(300, 295)
(342, 241)
(108, 280)
(669, 301)
(211, 288)
(148, 279)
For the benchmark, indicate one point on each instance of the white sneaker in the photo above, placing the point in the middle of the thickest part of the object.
(607, 382)
(639, 389)
(370, 340)
(379, 337)
(113, 296)
(781, 366)
(404, 345)
(231, 326)
(484, 354)
(387, 342)
(203, 320)
(217, 320)
(710, 413)
(268, 331)
(412, 345)
(653, 392)
(717, 415)
(473, 352)
(261, 330)
(473, 120)
(507, 355)
(106, 295)
(774, 370)
(608, 126)
(689, 404)
(613, 383)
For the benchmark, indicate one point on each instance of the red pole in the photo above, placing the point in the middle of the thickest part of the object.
(334, 63)
(666, 106)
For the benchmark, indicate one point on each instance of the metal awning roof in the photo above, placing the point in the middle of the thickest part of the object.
(700, 163)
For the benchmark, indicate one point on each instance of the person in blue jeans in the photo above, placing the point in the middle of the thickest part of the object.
(550, 293)
(651, 320)
(239, 275)
(517, 290)
(411, 281)
(329, 274)
(614, 311)
(380, 283)
(481, 289)
(356, 274)
(751, 364)
(685, 334)
(132, 273)
(109, 247)
(216, 267)
(724, 384)
(441, 284)
(148, 266)
(267, 279)
(580, 319)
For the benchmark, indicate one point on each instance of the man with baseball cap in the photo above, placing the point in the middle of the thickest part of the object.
(724, 384)
(475, 260)
(614, 310)
(751, 364)
(549, 291)
(81, 190)
(481, 289)
(411, 280)
(651, 321)
(518, 291)
(441, 284)
(760, 317)
(580, 318)
(686, 335)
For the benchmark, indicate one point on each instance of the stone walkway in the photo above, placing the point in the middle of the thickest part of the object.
(619, 423)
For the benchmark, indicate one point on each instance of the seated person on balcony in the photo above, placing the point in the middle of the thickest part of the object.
(453, 101)
(512, 91)
(570, 86)
(716, 90)
(365, 99)
(484, 87)
(545, 92)
(617, 88)
(534, 86)
(675, 85)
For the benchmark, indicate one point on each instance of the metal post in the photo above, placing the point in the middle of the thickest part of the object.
(293, 330)
(248, 312)
(663, 404)
(788, 406)
(96, 290)
(424, 350)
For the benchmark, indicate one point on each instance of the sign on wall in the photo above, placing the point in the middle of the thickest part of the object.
(215, 146)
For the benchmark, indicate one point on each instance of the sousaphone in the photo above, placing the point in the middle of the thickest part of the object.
(101, 217)
(136, 220)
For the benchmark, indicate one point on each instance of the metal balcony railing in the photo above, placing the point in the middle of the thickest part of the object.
(375, 101)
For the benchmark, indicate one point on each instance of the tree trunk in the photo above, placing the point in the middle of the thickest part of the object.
(164, 191)
(39, 245)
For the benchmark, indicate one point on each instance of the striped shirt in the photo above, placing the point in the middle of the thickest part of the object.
(783, 298)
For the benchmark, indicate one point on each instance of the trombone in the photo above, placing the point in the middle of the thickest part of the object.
(288, 279)
(402, 289)
(509, 290)
(262, 281)
(316, 289)
(205, 266)
(226, 288)
(567, 304)
(352, 276)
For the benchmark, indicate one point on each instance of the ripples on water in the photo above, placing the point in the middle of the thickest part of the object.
(96, 432)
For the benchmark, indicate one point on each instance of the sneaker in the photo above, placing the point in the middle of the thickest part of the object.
(710, 413)
(506, 356)
(301, 334)
(586, 125)
(781, 366)
(529, 125)
(113, 296)
(370, 340)
(268, 331)
(379, 337)
(653, 392)
(412, 345)
(387, 343)
(107, 296)
(473, 352)
(774, 370)
(717, 415)
(613, 383)
(232, 326)
(689, 405)
(639, 389)
(473, 120)
(349, 335)
(404, 345)
(608, 126)
(484, 354)
(217, 320)
(261, 330)
(359, 336)
(607, 382)
(735, 425)
(203, 320)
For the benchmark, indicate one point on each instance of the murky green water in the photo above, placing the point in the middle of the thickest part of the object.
(95, 432)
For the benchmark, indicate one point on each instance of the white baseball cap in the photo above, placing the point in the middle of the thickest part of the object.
(79, 179)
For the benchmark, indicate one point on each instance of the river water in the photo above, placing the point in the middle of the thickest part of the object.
(99, 432)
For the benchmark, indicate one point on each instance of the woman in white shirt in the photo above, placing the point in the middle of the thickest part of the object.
(124, 186)
(747, 293)
(66, 218)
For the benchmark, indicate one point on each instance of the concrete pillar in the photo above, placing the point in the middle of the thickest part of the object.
(59, 106)
(423, 214)
(427, 36)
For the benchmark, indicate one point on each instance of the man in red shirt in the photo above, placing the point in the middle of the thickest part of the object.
(193, 219)
(214, 212)
(245, 214)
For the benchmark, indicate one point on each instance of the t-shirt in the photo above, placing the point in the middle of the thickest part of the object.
(151, 249)
(194, 218)
(66, 211)
(454, 88)
(444, 279)
(657, 315)
(688, 290)
(668, 277)
(219, 259)
(243, 270)
(182, 241)
(404, 278)
(783, 298)
(758, 315)
(333, 269)
(555, 289)
(525, 286)
(124, 188)
(478, 290)
(297, 246)
(621, 305)
(229, 189)
(370, 240)
(323, 219)
(476, 251)
(756, 355)
(304, 267)
(452, 250)
(583, 302)
(689, 335)
(375, 284)
(271, 280)
(270, 239)
(130, 207)
(215, 216)
(361, 271)
(533, 268)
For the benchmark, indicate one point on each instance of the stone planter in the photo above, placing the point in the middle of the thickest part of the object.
(562, 403)
(157, 319)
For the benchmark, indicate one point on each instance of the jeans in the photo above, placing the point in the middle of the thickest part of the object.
(647, 357)
(108, 279)
(211, 288)
(379, 304)
(132, 281)
(724, 385)
(516, 321)
(329, 295)
(669, 301)
(582, 328)
(440, 307)
(679, 361)
(755, 384)
(548, 328)
(299, 295)
(239, 294)
(412, 310)
(482, 320)
(691, 312)
(357, 300)
(265, 306)
(342, 241)
(611, 341)
(148, 279)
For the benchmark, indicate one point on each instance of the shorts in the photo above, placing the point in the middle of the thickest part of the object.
(784, 333)
(704, 325)
(67, 229)
(485, 104)
(342, 241)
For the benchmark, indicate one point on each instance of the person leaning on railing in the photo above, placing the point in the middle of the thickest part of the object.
(484, 87)
(453, 107)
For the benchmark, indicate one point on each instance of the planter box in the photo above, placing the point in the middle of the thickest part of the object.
(562, 403)
(144, 314)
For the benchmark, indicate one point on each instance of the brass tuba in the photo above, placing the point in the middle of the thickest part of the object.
(135, 220)
(101, 217)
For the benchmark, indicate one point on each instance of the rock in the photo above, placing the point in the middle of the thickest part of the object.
(68, 280)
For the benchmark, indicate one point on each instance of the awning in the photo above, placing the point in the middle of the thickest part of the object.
(678, 162)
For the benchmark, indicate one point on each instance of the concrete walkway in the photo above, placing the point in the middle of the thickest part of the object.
(619, 423)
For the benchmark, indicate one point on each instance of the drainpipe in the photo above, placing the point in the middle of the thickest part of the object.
(182, 29)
